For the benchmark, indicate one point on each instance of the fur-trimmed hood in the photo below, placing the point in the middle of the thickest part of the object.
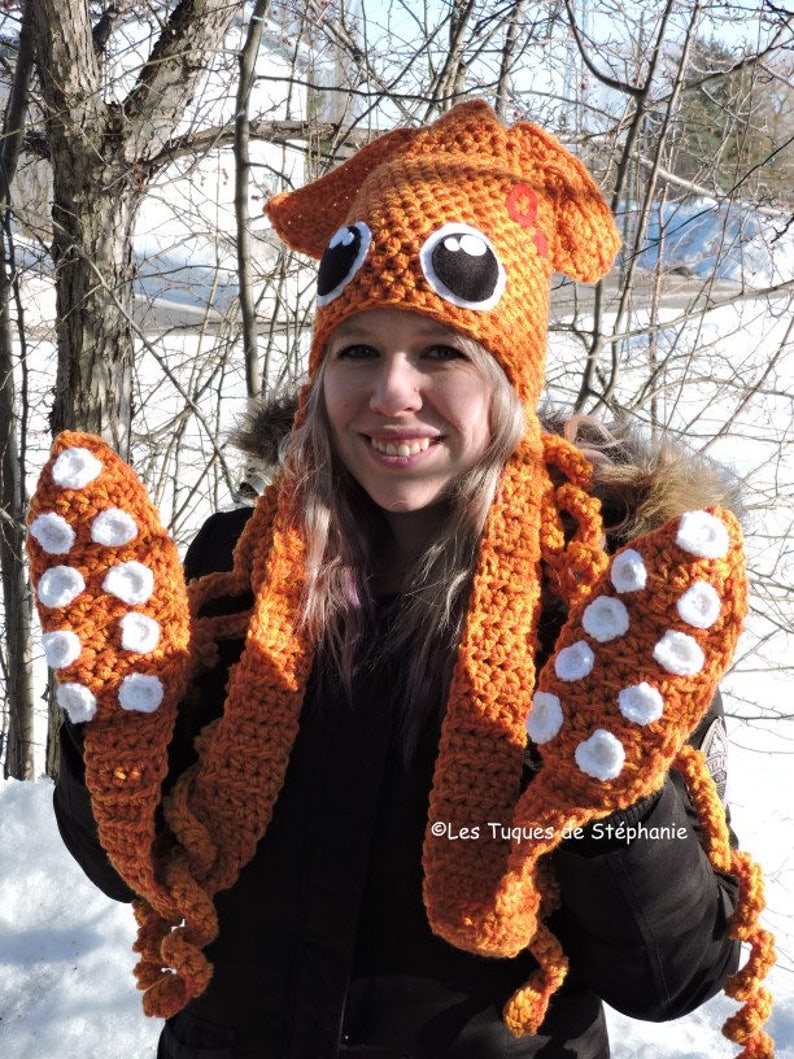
(641, 482)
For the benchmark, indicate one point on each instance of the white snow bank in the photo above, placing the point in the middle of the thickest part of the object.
(66, 984)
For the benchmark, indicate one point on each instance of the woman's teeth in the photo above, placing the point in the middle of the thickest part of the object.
(402, 448)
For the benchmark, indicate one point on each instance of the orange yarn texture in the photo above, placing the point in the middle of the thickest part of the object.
(649, 633)
(114, 612)
(535, 203)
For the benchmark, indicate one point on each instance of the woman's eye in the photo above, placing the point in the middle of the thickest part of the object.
(356, 352)
(445, 353)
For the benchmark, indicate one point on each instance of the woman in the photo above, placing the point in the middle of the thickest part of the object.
(361, 854)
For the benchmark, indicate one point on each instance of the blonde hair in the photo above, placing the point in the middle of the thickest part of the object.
(341, 523)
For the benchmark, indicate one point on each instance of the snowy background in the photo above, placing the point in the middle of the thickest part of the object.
(66, 985)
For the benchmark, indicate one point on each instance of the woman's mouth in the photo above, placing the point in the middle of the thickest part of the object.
(402, 447)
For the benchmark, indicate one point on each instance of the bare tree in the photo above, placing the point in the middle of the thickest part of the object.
(102, 151)
(100, 147)
(16, 598)
(129, 121)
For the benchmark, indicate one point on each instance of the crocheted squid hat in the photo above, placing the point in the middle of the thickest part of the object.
(463, 222)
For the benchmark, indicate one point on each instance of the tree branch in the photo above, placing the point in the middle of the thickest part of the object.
(340, 34)
(508, 56)
(605, 79)
(170, 75)
(281, 132)
(241, 191)
(67, 63)
(107, 23)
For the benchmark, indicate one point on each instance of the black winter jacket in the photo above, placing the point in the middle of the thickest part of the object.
(324, 948)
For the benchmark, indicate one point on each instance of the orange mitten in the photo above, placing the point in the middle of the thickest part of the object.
(635, 667)
(113, 606)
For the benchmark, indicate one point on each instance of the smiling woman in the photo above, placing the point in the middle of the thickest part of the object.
(409, 411)
(407, 523)
(426, 679)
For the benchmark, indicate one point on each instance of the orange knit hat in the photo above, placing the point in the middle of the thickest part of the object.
(464, 222)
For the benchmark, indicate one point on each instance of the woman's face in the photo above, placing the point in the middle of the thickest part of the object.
(409, 412)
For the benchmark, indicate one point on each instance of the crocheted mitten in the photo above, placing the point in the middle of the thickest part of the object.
(112, 602)
(635, 667)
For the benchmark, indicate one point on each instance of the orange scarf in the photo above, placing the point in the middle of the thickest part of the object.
(464, 222)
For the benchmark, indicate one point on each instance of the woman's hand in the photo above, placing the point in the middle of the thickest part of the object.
(108, 582)
(113, 606)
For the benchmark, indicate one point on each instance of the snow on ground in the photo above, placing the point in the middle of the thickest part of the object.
(66, 985)
(720, 240)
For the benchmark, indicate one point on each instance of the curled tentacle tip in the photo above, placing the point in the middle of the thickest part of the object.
(188, 960)
(745, 1026)
(523, 1016)
(761, 1046)
(525, 1011)
(165, 997)
(147, 974)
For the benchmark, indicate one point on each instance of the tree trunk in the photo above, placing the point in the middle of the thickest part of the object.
(100, 153)
(17, 605)
(19, 762)
(92, 251)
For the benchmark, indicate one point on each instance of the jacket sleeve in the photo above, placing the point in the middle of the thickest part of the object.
(645, 921)
(211, 550)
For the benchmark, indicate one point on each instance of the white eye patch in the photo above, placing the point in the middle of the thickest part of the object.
(343, 257)
(462, 267)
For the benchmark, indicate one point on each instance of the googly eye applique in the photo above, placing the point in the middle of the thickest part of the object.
(461, 266)
(342, 259)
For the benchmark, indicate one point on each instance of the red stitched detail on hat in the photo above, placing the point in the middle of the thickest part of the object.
(522, 205)
(541, 243)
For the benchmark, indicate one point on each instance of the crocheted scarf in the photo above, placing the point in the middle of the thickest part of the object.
(464, 222)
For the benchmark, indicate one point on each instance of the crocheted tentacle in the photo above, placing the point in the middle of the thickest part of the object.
(117, 630)
(634, 669)
(152, 928)
(478, 769)
(248, 748)
(574, 561)
(209, 629)
(526, 1008)
(744, 1027)
(173, 968)
(112, 602)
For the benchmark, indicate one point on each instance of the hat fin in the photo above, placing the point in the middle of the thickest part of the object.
(307, 218)
(585, 240)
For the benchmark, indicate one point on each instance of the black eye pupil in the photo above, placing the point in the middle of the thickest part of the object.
(471, 276)
(338, 260)
(461, 265)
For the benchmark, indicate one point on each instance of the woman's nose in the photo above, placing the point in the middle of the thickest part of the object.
(396, 387)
